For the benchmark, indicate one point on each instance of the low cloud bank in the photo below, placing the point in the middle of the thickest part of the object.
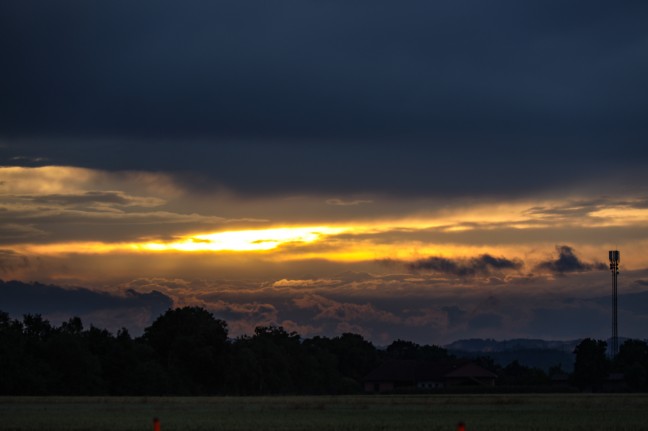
(481, 265)
(567, 261)
(130, 308)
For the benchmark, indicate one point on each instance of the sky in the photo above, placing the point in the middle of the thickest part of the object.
(428, 171)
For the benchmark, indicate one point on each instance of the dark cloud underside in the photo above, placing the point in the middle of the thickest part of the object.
(18, 298)
(301, 68)
(132, 309)
(481, 265)
(481, 92)
(567, 261)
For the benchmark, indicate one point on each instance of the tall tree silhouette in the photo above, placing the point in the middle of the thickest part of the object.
(632, 360)
(190, 343)
(591, 367)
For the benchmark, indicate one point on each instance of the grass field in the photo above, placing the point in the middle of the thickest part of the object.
(348, 413)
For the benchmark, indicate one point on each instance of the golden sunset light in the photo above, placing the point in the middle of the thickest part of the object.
(406, 240)
(247, 240)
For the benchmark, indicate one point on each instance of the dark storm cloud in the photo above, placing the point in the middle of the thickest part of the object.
(567, 261)
(18, 298)
(488, 94)
(132, 309)
(481, 265)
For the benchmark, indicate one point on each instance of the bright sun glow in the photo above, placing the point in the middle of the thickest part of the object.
(245, 240)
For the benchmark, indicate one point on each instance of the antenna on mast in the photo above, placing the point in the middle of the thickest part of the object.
(615, 257)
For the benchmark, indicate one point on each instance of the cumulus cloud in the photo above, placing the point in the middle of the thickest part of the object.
(259, 313)
(344, 311)
(480, 265)
(567, 261)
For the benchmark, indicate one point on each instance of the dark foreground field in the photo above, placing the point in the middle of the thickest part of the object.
(393, 413)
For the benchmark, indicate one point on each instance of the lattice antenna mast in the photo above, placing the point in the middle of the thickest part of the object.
(614, 268)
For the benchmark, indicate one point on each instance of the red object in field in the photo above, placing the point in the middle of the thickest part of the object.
(460, 426)
(156, 424)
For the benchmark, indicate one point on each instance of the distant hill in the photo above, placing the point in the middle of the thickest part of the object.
(536, 353)
(489, 345)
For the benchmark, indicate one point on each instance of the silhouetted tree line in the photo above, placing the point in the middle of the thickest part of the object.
(594, 371)
(186, 351)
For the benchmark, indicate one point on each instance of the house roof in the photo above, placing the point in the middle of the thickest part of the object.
(470, 370)
(407, 370)
(412, 371)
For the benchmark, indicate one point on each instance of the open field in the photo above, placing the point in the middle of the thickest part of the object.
(393, 413)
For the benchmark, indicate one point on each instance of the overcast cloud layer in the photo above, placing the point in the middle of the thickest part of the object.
(447, 97)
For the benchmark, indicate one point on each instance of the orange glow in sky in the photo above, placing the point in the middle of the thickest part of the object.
(244, 240)
(282, 243)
